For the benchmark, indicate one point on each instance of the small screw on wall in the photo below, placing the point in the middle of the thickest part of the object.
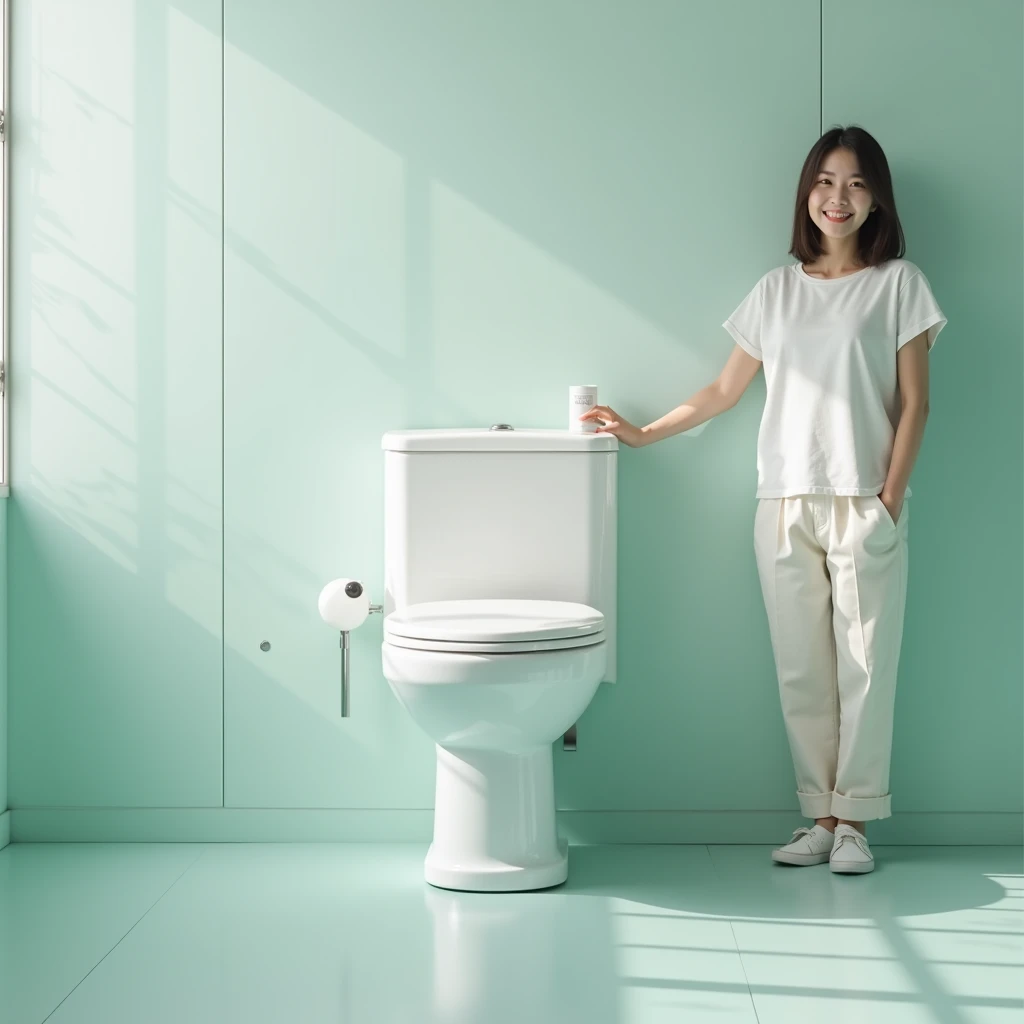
(265, 646)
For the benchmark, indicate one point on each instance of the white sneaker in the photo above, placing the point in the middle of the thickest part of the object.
(851, 854)
(808, 846)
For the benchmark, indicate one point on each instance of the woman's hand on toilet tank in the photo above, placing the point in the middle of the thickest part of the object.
(609, 421)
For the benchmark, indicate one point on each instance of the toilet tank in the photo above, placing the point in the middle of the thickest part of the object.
(484, 513)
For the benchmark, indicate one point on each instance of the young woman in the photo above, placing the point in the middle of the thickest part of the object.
(843, 335)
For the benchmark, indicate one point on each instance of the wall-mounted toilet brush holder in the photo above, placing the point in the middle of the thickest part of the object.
(345, 604)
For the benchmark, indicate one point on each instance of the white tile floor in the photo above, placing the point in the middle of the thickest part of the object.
(351, 934)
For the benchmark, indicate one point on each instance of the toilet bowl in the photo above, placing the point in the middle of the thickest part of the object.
(494, 683)
(500, 582)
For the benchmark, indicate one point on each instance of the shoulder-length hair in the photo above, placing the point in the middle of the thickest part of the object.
(880, 237)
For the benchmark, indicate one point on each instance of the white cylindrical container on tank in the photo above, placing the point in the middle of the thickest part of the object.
(582, 397)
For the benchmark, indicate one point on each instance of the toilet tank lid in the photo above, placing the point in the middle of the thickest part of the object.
(494, 620)
(478, 439)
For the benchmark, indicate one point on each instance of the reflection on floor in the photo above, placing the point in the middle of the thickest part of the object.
(351, 934)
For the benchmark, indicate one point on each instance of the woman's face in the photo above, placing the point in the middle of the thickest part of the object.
(839, 187)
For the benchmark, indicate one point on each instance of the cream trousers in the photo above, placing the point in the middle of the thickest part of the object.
(833, 574)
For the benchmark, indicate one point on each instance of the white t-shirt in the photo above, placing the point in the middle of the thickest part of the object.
(829, 353)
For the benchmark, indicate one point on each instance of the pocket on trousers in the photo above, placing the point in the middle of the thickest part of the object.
(884, 512)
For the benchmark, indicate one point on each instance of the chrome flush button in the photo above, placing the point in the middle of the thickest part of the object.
(502, 426)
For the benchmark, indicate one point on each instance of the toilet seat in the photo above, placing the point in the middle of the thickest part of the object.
(503, 626)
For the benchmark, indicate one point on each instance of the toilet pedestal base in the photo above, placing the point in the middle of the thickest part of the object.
(494, 822)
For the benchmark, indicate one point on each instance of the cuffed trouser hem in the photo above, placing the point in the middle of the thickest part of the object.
(816, 805)
(861, 808)
(832, 805)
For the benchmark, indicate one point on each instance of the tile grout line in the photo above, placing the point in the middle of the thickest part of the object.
(735, 941)
(142, 917)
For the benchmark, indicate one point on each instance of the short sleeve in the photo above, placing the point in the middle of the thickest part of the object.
(744, 324)
(917, 311)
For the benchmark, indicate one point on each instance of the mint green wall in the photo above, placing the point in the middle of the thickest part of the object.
(115, 519)
(446, 218)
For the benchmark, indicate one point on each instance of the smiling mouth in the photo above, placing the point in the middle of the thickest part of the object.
(838, 219)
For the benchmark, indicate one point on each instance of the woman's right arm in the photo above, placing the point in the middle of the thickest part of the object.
(718, 396)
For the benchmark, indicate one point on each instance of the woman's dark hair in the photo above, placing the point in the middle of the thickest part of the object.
(880, 237)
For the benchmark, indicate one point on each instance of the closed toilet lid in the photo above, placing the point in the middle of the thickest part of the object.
(495, 621)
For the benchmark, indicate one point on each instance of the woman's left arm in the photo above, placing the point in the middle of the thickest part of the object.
(912, 374)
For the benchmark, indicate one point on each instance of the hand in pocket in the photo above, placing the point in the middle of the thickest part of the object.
(894, 508)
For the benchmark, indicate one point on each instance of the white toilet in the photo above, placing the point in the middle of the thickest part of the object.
(500, 575)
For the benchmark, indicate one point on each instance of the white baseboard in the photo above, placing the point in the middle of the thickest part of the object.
(581, 828)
